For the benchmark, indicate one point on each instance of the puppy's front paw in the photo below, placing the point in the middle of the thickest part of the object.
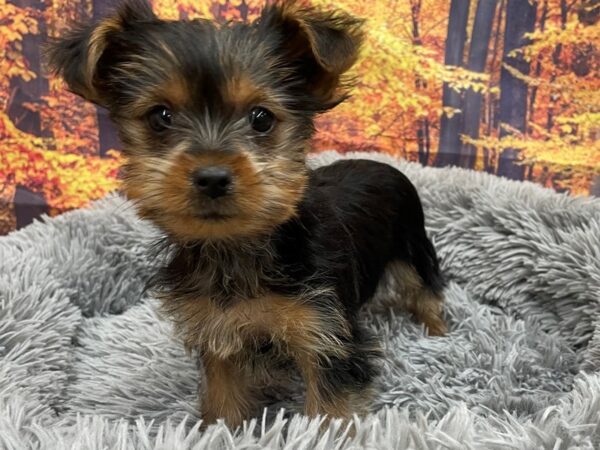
(436, 326)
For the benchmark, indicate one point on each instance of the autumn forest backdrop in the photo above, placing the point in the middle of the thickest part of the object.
(510, 87)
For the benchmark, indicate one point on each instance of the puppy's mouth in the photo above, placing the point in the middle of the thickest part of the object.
(217, 210)
(214, 216)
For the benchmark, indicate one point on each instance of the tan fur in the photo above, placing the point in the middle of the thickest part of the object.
(241, 92)
(172, 89)
(228, 392)
(97, 45)
(175, 92)
(224, 331)
(340, 404)
(168, 52)
(163, 190)
(227, 338)
(414, 298)
(220, 302)
(329, 86)
(307, 19)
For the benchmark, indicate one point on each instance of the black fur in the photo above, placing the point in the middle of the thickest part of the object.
(318, 241)
(355, 218)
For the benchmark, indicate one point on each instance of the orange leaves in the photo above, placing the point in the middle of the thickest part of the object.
(76, 179)
(16, 21)
(220, 11)
(14, 24)
(399, 80)
(60, 167)
(399, 90)
(570, 151)
(71, 120)
(573, 35)
(400, 75)
(175, 10)
(67, 180)
(246, 11)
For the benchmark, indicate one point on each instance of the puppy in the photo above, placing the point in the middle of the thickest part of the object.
(269, 261)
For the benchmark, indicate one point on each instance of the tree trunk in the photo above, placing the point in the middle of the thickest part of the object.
(478, 51)
(29, 205)
(492, 114)
(492, 99)
(427, 133)
(595, 189)
(22, 91)
(538, 65)
(554, 96)
(520, 19)
(243, 9)
(450, 127)
(108, 137)
(423, 138)
(534, 89)
(25, 119)
(588, 15)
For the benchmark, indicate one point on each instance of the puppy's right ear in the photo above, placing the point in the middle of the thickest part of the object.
(321, 45)
(77, 57)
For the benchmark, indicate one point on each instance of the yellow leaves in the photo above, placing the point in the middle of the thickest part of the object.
(373, 129)
(213, 10)
(16, 23)
(175, 10)
(557, 151)
(67, 180)
(555, 154)
(461, 79)
(17, 71)
(60, 167)
(450, 112)
(521, 76)
(81, 179)
(399, 80)
(574, 34)
(566, 128)
(585, 123)
(399, 75)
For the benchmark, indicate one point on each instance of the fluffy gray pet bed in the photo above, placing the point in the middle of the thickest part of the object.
(87, 363)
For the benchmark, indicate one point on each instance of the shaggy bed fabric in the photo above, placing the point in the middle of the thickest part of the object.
(86, 361)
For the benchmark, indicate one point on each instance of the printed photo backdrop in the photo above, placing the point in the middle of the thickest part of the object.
(510, 87)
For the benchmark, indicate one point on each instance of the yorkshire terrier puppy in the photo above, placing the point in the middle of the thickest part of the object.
(270, 261)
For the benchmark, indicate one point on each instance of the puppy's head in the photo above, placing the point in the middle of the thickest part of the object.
(215, 121)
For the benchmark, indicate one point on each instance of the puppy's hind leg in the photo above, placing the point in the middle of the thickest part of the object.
(424, 301)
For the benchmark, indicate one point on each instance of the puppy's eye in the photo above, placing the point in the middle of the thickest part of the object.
(160, 118)
(261, 119)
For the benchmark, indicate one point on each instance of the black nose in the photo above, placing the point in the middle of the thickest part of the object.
(213, 181)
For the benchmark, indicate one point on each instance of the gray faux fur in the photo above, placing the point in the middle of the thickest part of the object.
(87, 363)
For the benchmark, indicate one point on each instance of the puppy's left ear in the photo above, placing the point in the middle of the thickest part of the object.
(322, 46)
(83, 58)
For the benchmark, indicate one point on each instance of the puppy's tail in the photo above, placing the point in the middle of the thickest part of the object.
(426, 263)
